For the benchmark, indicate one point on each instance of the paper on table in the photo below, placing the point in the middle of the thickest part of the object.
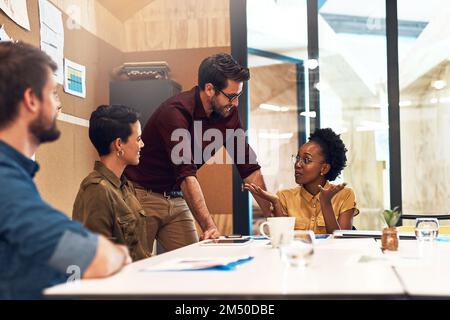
(394, 259)
(200, 264)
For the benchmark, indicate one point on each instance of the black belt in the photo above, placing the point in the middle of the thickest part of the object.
(171, 194)
(165, 194)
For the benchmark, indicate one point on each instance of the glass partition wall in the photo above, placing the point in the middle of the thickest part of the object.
(277, 51)
(352, 95)
(353, 98)
(424, 79)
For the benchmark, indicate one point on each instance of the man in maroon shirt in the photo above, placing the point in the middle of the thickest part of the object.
(165, 179)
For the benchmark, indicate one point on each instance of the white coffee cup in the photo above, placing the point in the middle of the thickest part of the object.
(281, 230)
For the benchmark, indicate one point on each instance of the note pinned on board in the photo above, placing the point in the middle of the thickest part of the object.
(3, 35)
(17, 10)
(74, 78)
(52, 35)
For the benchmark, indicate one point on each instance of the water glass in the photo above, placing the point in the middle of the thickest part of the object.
(427, 229)
(299, 251)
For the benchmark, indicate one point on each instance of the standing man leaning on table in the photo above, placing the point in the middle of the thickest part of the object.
(167, 187)
(39, 246)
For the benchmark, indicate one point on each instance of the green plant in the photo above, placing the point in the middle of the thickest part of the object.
(392, 216)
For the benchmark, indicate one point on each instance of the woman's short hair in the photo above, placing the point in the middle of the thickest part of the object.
(333, 149)
(107, 123)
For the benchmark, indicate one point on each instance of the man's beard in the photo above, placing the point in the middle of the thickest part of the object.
(218, 112)
(42, 133)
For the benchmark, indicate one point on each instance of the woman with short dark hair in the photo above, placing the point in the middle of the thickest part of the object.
(106, 202)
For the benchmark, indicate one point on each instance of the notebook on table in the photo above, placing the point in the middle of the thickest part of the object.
(200, 264)
(369, 234)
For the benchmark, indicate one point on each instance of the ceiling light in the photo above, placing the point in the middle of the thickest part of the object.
(340, 130)
(272, 107)
(364, 129)
(312, 64)
(366, 125)
(439, 84)
(276, 136)
(308, 114)
(405, 103)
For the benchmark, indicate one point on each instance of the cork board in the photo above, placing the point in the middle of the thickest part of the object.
(66, 162)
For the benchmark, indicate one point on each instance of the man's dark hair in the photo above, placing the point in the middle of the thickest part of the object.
(22, 66)
(108, 123)
(333, 149)
(219, 68)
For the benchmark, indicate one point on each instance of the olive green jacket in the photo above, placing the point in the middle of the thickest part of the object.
(108, 205)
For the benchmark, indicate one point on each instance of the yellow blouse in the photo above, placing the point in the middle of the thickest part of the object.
(305, 207)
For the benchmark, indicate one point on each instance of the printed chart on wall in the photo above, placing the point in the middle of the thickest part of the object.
(17, 11)
(75, 78)
(52, 35)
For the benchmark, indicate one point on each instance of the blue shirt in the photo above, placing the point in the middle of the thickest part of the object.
(39, 246)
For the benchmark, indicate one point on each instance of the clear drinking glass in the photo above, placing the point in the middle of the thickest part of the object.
(427, 229)
(299, 251)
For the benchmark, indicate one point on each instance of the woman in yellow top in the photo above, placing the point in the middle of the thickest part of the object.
(317, 205)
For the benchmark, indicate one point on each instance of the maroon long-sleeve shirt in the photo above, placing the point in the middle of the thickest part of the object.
(163, 163)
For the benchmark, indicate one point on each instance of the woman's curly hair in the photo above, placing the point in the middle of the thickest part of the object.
(333, 148)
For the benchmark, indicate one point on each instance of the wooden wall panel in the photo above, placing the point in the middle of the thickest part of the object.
(215, 179)
(217, 185)
(100, 60)
(117, 8)
(64, 164)
(82, 47)
(276, 85)
(183, 62)
(16, 32)
(224, 223)
(94, 18)
(179, 24)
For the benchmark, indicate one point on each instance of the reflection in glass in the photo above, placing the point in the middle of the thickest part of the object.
(424, 72)
(353, 98)
(277, 42)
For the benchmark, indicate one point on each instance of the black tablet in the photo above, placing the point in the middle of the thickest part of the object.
(226, 242)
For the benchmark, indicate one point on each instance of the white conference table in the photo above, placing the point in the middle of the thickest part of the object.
(335, 271)
(424, 268)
